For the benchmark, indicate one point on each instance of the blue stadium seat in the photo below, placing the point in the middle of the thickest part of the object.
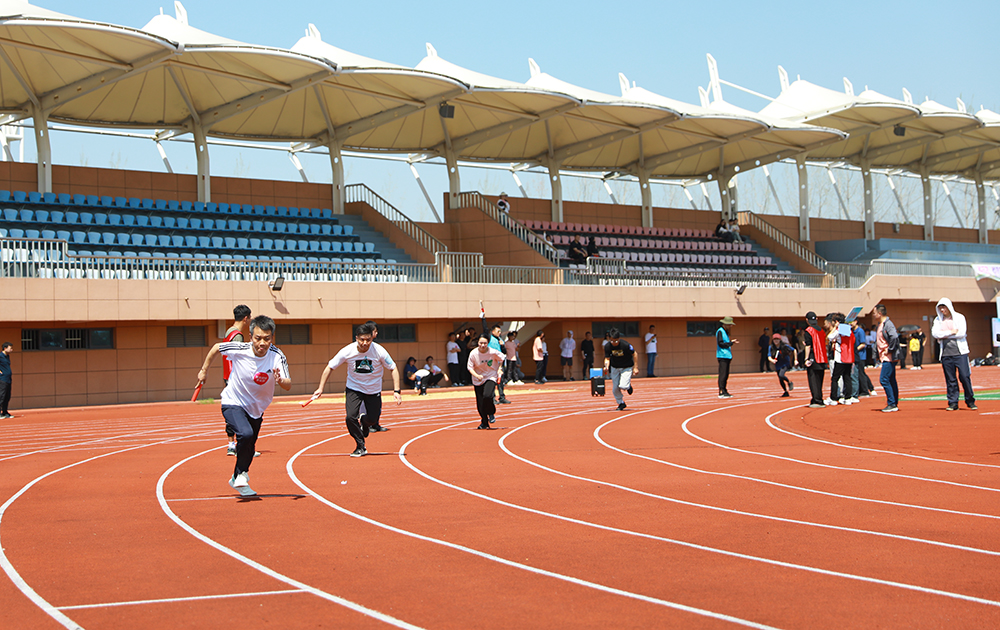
(170, 222)
(121, 202)
(63, 234)
(336, 246)
(109, 238)
(197, 206)
(42, 216)
(160, 204)
(338, 230)
(10, 214)
(164, 240)
(132, 202)
(128, 219)
(94, 237)
(175, 205)
(49, 234)
(327, 213)
(293, 228)
(34, 197)
(303, 246)
(314, 228)
(326, 229)
(266, 243)
(107, 201)
(124, 238)
(20, 196)
(291, 244)
(195, 224)
(317, 213)
(79, 200)
(247, 209)
(65, 198)
(222, 207)
(142, 220)
(27, 215)
(258, 226)
(56, 216)
(279, 244)
(93, 200)
(177, 240)
(86, 218)
(314, 246)
(282, 211)
(115, 219)
(269, 226)
(242, 243)
(4, 195)
(72, 217)
(324, 246)
(148, 204)
(16, 233)
(32, 234)
(210, 207)
(138, 240)
(348, 230)
(293, 211)
(150, 240)
(100, 218)
(156, 221)
(369, 247)
(231, 224)
(191, 241)
(258, 210)
(255, 243)
(217, 242)
(49, 197)
(182, 222)
(270, 211)
(204, 241)
(230, 242)
(245, 225)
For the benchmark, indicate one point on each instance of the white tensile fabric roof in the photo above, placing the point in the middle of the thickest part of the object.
(172, 76)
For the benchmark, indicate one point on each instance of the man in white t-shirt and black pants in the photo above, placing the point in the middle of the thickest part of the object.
(256, 367)
(365, 361)
(651, 352)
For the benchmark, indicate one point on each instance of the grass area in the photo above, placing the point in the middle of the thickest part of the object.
(986, 394)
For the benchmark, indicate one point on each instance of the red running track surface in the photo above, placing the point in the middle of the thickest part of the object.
(682, 511)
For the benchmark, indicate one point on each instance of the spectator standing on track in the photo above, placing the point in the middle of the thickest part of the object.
(859, 380)
(724, 353)
(619, 363)
(567, 348)
(511, 371)
(764, 343)
(843, 362)
(917, 349)
(485, 366)
(873, 351)
(782, 357)
(497, 344)
(454, 367)
(587, 352)
(468, 341)
(238, 332)
(950, 329)
(258, 366)
(540, 353)
(651, 352)
(365, 361)
(6, 379)
(887, 345)
(814, 341)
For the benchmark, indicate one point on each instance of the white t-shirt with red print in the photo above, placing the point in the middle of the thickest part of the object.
(251, 381)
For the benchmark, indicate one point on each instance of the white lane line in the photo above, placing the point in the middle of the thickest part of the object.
(687, 430)
(174, 600)
(873, 450)
(504, 561)
(260, 567)
(600, 440)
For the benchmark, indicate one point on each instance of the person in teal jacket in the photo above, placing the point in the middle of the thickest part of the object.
(724, 353)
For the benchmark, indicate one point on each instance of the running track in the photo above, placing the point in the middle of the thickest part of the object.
(683, 511)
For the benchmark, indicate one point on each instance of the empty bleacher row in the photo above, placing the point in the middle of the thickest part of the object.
(657, 249)
(106, 226)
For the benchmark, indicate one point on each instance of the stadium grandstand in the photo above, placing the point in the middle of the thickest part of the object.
(115, 281)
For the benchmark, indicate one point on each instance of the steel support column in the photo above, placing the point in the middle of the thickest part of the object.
(204, 171)
(646, 193)
(925, 181)
(339, 183)
(454, 182)
(984, 234)
(44, 149)
(800, 166)
(866, 179)
(557, 194)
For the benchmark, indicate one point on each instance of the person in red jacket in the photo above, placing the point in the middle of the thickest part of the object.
(843, 359)
(815, 359)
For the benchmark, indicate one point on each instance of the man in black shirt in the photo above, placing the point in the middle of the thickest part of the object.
(587, 350)
(619, 361)
(765, 347)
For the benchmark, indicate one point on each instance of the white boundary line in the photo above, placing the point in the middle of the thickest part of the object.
(504, 561)
(174, 600)
(684, 426)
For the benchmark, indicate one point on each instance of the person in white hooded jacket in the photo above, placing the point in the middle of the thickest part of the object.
(950, 330)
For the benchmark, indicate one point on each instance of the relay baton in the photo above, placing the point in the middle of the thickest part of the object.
(306, 402)
(197, 390)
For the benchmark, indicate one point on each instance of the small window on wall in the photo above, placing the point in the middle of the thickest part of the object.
(625, 329)
(67, 339)
(185, 336)
(291, 335)
(702, 329)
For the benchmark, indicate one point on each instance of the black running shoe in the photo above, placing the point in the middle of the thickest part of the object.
(629, 390)
(359, 452)
(622, 406)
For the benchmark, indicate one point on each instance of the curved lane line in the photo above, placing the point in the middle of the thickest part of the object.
(259, 567)
(497, 559)
(686, 429)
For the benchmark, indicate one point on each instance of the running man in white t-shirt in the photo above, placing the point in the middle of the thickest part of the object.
(485, 365)
(365, 363)
(257, 366)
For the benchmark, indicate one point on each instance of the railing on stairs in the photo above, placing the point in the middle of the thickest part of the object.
(477, 200)
(794, 247)
(364, 194)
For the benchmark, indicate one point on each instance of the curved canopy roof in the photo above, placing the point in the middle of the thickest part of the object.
(172, 76)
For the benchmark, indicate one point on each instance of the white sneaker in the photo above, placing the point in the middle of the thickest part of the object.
(240, 481)
(844, 402)
(852, 400)
(256, 453)
(829, 402)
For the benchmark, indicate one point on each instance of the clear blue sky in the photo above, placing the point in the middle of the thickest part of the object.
(936, 50)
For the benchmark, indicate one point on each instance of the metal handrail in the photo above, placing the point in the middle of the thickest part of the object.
(474, 199)
(796, 248)
(364, 194)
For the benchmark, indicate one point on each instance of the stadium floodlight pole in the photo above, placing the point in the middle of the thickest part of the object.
(981, 207)
(925, 181)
